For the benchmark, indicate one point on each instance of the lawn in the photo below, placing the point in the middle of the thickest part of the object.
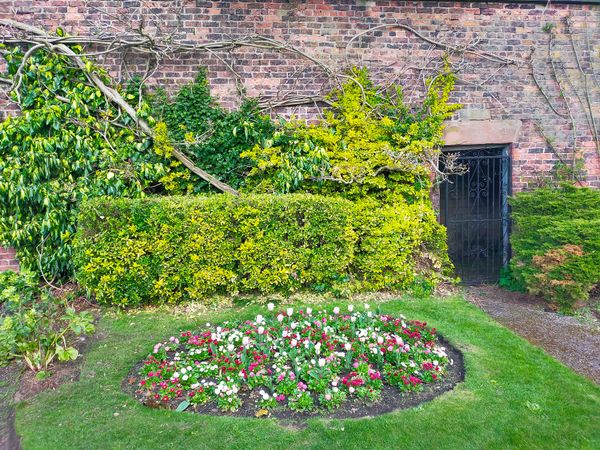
(514, 396)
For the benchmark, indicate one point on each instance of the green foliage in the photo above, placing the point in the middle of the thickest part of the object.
(36, 326)
(211, 136)
(400, 246)
(69, 144)
(159, 250)
(556, 244)
(17, 288)
(368, 145)
(375, 150)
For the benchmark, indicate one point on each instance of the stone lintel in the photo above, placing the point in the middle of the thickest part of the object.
(482, 132)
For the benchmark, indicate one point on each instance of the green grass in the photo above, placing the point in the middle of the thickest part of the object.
(514, 396)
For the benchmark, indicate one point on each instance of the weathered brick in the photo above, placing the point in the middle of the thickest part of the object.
(324, 28)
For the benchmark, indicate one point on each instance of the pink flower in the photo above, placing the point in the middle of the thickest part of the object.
(280, 398)
(301, 386)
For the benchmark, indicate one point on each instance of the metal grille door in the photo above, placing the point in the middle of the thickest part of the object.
(474, 209)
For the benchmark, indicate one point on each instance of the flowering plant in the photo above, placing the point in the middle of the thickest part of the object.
(306, 360)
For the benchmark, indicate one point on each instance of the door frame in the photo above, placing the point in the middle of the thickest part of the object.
(506, 187)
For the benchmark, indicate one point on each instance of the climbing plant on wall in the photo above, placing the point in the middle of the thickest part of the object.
(369, 144)
(209, 134)
(68, 144)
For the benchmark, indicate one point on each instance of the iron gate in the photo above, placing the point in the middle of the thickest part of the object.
(474, 209)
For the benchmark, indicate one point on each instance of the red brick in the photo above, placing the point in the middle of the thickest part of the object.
(323, 28)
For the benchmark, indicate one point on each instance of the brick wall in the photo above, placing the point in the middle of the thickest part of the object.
(8, 260)
(323, 29)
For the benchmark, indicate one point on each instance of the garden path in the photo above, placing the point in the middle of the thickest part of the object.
(9, 379)
(573, 341)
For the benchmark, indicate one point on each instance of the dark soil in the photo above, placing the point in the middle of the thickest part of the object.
(391, 399)
(18, 383)
(568, 339)
(60, 373)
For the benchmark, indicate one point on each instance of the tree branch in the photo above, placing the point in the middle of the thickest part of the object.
(113, 96)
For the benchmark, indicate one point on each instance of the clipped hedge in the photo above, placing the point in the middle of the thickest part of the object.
(556, 244)
(156, 250)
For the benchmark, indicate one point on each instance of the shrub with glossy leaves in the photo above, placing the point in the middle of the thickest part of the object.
(369, 144)
(68, 144)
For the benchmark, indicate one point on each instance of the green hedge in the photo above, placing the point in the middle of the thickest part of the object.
(556, 244)
(156, 250)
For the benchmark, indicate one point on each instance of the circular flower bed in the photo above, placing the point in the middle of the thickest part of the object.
(305, 361)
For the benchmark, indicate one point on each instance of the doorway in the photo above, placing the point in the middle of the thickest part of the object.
(474, 209)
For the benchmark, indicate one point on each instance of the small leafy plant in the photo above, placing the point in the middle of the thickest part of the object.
(36, 326)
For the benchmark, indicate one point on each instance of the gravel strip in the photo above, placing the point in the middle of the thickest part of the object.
(568, 339)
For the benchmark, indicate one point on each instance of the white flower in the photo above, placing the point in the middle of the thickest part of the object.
(367, 306)
(294, 325)
(230, 347)
(183, 370)
(176, 375)
(350, 308)
(336, 310)
(290, 311)
(184, 378)
(261, 330)
(353, 319)
(318, 348)
(322, 362)
(294, 342)
(259, 319)
(380, 340)
(309, 311)
(369, 314)
(270, 306)
(348, 347)
(245, 341)
(280, 317)
(351, 389)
